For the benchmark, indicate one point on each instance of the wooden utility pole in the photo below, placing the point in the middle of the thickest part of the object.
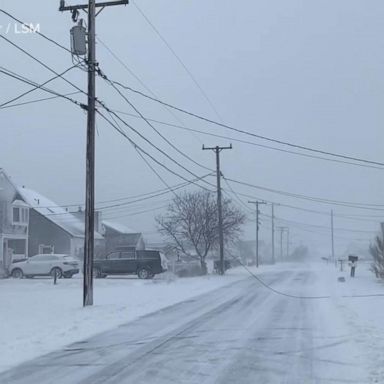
(257, 203)
(273, 233)
(287, 243)
(282, 230)
(90, 8)
(332, 238)
(217, 150)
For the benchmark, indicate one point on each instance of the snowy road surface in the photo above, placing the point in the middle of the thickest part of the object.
(240, 333)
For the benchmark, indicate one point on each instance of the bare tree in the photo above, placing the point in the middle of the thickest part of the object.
(191, 224)
(377, 251)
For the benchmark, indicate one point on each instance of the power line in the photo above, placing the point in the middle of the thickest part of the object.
(150, 142)
(123, 204)
(192, 77)
(319, 226)
(39, 100)
(35, 88)
(16, 76)
(236, 196)
(367, 206)
(41, 63)
(281, 293)
(149, 123)
(133, 199)
(252, 143)
(149, 164)
(35, 31)
(145, 152)
(138, 213)
(143, 84)
(326, 213)
(310, 149)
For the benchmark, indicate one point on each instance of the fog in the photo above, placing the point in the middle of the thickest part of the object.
(307, 72)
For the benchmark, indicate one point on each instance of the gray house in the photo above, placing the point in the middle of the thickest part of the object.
(52, 229)
(14, 223)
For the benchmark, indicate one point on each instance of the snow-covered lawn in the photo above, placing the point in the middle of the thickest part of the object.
(360, 303)
(37, 317)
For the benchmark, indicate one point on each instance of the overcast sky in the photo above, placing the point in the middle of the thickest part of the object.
(308, 72)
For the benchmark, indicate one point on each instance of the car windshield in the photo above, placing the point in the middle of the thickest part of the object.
(192, 192)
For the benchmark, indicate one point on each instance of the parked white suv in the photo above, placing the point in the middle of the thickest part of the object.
(45, 265)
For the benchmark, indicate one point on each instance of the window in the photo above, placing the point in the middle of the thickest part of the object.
(46, 249)
(127, 255)
(16, 215)
(113, 256)
(20, 215)
(38, 258)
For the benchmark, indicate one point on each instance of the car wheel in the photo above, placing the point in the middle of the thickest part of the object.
(56, 271)
(17, 273)
(68, 276)
(143, 273)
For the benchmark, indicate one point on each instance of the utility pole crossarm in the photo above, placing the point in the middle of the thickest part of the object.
(216, 148)
(103, 4)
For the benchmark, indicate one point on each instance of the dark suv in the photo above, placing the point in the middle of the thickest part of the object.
(145, 264)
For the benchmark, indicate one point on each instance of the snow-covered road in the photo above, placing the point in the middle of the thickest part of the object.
(240, 333)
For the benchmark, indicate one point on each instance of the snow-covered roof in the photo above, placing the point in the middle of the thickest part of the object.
(20, 203)
(54, 213)
(118, 227)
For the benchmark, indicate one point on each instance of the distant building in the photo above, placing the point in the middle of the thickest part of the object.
(117, 235)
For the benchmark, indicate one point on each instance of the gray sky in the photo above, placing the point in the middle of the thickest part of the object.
(308, 72)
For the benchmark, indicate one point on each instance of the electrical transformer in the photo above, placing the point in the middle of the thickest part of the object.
(79, 40)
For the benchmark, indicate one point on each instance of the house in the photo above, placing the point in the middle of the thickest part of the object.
(117, 235)
(14, 223)
(52, 229)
